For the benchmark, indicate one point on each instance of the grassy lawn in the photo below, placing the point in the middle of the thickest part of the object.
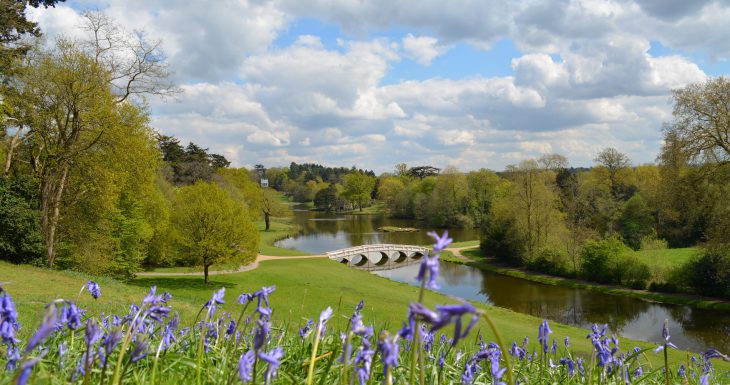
(304, 288)
(666, 258)
(278, 230)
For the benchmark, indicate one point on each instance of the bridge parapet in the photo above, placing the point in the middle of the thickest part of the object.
(378, 256)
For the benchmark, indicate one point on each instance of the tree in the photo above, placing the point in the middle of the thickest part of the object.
(271, 206)
(636, 222)
(615, 162)
(701, 126)
(358, 187)
(212, 228)
(421, 172)
(482, 187)
(326, 199)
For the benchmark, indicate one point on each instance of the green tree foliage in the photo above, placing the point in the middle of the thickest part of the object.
(191, 163)
(608, 261)
(447, 204)
(358, 188)
(709, 274)
(21, 240)
(482, 187)
(327, 198)
(238, 183)
(212, 228)
(272, 206)
(636, 222)
(421, 172)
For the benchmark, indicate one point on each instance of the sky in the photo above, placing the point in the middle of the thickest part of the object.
(470, 84)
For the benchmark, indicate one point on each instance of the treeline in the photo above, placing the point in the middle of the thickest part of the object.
(87, 184)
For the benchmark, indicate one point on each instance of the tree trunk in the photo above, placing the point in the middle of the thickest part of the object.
(267, 220)
(13, 144)
(51, 195)
(205, 273)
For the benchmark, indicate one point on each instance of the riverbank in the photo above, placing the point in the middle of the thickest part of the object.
(473, 257)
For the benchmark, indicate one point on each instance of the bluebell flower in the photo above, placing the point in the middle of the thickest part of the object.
(140, 350)
(306, 329)
(497, 372)
(566, 342)
(71, 315)
(665, 334)
(111, 340)
(8, 319)
(542, 335)
(471, 368)
(363, 361)
(429, 264)
(388, 347)
(48, 325)
(25, 370)
(245, 365)
(273, 358)
(263, 294)
(92, 332)
(441, 242)
(714, 353)
(94, 289)
(262, 333)
(62, 350)
(681, 371)
(245, 298)
(705, 379)
(215, 299)
(570, 364)
(638, 372)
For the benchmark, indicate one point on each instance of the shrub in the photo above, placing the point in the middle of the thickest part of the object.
(501, 239)
(550, 261)
(709, 274)
(601, 259)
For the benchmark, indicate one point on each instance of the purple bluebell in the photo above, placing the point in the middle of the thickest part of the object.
(449, 313)
(263, 294)
(13, 357)
(495, 369)
(667, 343)
(555, 346)
(429, 264)
(62, 350)
(262, 333)
(215, 299)
(543, 335)
(306, 329)
(111, 340)
(93, 289)
(8, 319)
(681, 371)
(325, 315)
(25, 369)
(48, 325)
(71, 315)
(442, 361)
(140, 350)
(245, 298)
(638, 372)
(245, 365)
(566, 342)
(714, 353)
(363, 362)
(569, 364)
(273, 358)
(92, 332)
(441, 242)
(517, 351)
(705, 379)
(471, 368)
(388, 347)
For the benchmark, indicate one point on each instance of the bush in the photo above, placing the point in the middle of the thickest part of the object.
(550, 262)
(501, 239)
(601, 259)
(632, 273)
(709, 274)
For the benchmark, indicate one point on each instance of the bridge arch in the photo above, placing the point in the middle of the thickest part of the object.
(399, 256)
(383, 259)
(360, 260)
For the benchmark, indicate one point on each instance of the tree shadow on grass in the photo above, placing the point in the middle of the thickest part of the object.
(187, 283)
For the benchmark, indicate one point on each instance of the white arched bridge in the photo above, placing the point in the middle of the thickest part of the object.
(378, 257)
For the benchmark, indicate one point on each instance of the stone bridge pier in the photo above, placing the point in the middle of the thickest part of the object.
(379, 256)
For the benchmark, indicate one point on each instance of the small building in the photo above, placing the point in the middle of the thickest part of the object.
(264, 183)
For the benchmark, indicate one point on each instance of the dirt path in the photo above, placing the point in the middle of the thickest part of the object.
(456, 251)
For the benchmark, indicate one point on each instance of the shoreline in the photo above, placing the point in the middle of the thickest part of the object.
(695, 301)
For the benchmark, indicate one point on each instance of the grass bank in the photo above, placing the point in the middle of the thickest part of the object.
(278, 230)
(482, 262)
(304, 288)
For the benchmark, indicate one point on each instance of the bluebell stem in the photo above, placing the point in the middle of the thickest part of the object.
(245, 365)
(94, 289)
(273, 358)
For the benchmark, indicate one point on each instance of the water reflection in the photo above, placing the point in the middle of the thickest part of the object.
(692, 329)
(322, 232)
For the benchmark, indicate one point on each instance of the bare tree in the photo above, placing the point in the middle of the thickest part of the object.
(137, 66)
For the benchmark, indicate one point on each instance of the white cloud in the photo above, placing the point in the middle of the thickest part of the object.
(422, 49)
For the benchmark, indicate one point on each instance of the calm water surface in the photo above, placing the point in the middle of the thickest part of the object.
(691, 329)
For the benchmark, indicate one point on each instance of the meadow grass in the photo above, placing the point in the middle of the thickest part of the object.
(666, 258)
(304, 288)
(278, 230)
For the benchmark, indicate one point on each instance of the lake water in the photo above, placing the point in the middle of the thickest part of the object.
(691, 329)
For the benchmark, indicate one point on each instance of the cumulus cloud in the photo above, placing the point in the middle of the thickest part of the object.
(422, 49)
(585, 77)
